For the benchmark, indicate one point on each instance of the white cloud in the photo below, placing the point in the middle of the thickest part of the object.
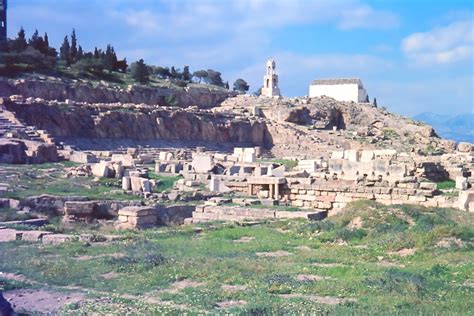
(364, 16)
(442, 45)
(187, 18)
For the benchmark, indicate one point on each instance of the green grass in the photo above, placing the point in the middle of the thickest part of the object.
(445, 185)
(29, 180)
(8, 214)
(432, 281)
(290, 164)
(166, 182)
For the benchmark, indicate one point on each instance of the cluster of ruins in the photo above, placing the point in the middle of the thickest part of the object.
(278, 157)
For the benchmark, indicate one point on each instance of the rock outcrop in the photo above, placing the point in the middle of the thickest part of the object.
(18, 151)
(201, 97)
(146, 123)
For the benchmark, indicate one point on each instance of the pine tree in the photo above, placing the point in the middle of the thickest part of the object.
(186, 76)
(34, 38)
(110, 58)
(19, 44)
(80, 53)
(46, 40)
(65, 51)
(375, 102)
(173, 73)
(73, 49)
(96, 53)
(139, 71)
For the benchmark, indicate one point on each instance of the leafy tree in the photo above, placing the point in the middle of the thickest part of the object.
(162, 72)
(241, 85)
(139, 71)
(201, 75)
(214, 77)
(186, 75)
(89, 65)
(73, 50)
(65, 51)
(121, 65)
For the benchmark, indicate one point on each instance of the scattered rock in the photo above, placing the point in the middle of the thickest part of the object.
(40, 301)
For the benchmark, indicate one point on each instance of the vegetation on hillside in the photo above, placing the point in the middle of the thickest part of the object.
(22, 55)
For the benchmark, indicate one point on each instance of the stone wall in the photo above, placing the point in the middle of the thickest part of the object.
(334, 195)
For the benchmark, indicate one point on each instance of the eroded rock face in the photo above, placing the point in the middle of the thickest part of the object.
(12, 152)
(201, 97)
(142, 124)
(18, 151)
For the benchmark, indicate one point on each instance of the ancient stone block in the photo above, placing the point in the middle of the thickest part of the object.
(464, 200)
(461, 183)
(202, 163)
(126, 184)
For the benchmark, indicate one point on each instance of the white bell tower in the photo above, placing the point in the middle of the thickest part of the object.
(270, 81)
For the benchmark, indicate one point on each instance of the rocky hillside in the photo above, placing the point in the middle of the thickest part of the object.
(141, 123)
(61, 90)
(315, 127)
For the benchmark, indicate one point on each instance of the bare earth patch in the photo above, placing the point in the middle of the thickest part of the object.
(404, 217)
(329, 300)
(312, 278)
(278, 253)
(244, 239)
(15, 277)
(386, 263)
(40, 301)
(231, 303)
(304, 248)
(233, 288)
(109, 275)
(403, 252)
(355, 223)
(450, 242)
(183, 284)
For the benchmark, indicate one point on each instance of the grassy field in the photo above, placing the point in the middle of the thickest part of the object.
(29, 180)
(372, 259)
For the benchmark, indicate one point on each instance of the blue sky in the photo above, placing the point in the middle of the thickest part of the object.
(414, 56)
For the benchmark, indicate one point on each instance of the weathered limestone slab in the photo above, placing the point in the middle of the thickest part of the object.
(34, 235)
(137, 217)
(461, 183)
(465, 200)
(55, 239)
(82, 157)
(202, 163)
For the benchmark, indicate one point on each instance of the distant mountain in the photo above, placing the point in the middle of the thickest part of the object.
(459, 128)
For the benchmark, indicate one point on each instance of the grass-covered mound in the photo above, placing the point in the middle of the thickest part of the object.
(370, 259)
